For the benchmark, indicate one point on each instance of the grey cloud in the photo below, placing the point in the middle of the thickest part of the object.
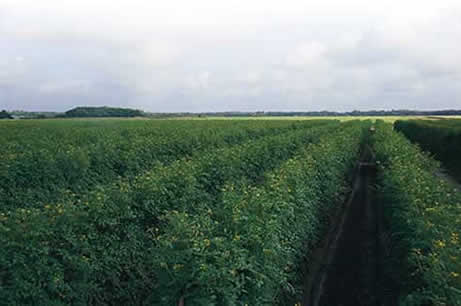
(300, 64)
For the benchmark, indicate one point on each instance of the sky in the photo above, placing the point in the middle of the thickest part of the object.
(233, 55)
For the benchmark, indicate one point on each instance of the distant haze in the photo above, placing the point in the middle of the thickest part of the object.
(243, 55)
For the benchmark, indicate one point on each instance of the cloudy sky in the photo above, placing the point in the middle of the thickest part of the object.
(246, 55)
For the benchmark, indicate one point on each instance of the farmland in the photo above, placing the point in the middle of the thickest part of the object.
(229, 212)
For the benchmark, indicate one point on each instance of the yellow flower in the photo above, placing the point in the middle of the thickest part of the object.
(178, 266)
(440, 243)
(454, 238)
(454, 274)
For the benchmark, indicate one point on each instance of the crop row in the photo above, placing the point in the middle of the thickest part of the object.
(47, 163)
(423, 220)
(441, 137)
(99, 250)
(248, 248)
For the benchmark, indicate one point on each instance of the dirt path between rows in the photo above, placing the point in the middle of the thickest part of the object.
(346, 271)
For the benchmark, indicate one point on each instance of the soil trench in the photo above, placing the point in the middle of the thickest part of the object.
(348, 271)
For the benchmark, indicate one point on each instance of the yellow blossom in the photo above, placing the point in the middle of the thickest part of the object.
(440, 243)
(178, 266)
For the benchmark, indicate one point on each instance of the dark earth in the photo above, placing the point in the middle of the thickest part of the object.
(347, 272)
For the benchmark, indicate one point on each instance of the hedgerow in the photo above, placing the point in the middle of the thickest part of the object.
(423, 217)
(99, 249)
(440, 137)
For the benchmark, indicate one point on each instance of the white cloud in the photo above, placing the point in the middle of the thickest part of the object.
(79, 87)
(307, 55)
(159, 54)
(250, 77)
(197, 55)
(198, 81)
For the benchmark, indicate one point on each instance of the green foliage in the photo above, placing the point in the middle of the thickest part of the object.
(102, 248)
(423, 216)
(247, 249)
(215, 212)
(49, 160)
(84, 112)
(5, 115)
(440, 137)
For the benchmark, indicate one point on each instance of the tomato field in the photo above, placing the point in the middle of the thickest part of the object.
(216, 212)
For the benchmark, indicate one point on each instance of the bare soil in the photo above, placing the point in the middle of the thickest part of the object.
(346, 265)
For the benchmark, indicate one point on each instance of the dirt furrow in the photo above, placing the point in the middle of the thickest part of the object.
(348, 269)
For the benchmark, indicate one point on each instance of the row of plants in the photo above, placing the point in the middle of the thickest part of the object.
(440, 137)
(248, 248)
(99, 250)
(443, 122)
(422, 216)
(59, 157)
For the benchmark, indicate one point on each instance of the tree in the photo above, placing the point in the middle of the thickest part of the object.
(103, 112)
(5, 115)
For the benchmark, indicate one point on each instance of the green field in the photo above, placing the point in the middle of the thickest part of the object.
(216, 212)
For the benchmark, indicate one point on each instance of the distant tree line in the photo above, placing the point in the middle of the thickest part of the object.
(313, 113)
(105, 111)
(5, 115)
(18, 114)
(84, 112)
